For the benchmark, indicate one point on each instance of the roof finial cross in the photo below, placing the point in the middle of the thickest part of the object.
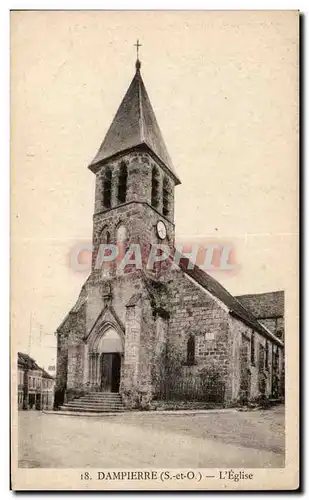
(137, 45)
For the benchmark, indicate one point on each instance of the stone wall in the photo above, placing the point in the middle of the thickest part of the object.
(260, 374)
(195, 313)
(77, 376)
(62, 355)
(159, 352)
(140, 352)
(130, 369)
(147, 348)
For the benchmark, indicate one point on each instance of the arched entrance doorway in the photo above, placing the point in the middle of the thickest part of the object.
(105, 361)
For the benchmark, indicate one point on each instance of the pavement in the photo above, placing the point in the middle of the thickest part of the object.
(209, 439)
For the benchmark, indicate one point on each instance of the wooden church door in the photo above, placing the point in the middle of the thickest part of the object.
(110, 372)
(106, 365)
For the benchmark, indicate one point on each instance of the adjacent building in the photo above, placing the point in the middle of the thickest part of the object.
(35, 385)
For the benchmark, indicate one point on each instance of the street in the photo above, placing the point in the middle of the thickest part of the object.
(219, 439)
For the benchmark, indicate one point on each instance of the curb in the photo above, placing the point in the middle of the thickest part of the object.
(137, 412)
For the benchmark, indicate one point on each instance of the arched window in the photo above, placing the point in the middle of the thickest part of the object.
(107, 188)
(121, 235)
(166, 196)
(122, 183)
(105, 236)
(155, 188)
(122, 240)
(191, 351)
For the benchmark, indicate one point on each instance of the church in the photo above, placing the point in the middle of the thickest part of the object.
(140, 335)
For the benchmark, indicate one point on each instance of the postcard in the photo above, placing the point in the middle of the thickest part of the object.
(154, 250)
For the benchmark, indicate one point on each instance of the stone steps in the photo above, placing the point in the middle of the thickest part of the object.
(97, 406)
(95, 402)
(98, 398)
(103, 394)
(83, 413)
(89, 409)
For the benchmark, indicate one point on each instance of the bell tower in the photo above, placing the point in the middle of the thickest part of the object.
(135, 178)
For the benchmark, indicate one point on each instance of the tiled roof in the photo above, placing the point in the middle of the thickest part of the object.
(26, 362)
(45, 374)
(134, 125)
(264, 305)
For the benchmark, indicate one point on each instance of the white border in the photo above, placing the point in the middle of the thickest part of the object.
(5, 197)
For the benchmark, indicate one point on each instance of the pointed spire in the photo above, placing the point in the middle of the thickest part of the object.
(134, 125)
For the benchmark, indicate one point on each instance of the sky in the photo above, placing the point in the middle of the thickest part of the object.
(224, 88)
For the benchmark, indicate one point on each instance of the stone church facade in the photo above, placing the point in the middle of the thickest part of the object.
(161, 333)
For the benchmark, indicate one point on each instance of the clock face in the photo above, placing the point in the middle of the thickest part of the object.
(161, 230)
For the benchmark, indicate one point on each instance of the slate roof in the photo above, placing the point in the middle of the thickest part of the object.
(235, 307)
(264, 305)
(134, 125)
